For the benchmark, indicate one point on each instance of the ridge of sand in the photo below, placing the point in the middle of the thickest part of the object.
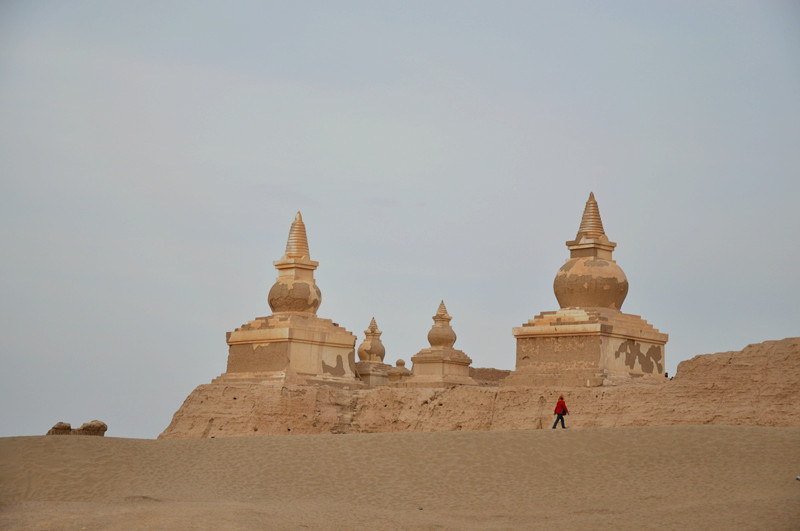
(732, 477)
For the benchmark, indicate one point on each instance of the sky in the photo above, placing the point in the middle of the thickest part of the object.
(153, 156)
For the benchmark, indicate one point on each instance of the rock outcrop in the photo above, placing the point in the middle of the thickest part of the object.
(759, 385)
(94, 427)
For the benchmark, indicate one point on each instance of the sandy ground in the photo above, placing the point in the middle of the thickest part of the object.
(670, 477)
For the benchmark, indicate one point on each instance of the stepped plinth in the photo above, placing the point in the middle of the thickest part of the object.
(588, 341)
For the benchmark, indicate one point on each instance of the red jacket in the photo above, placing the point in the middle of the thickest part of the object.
(561, 408)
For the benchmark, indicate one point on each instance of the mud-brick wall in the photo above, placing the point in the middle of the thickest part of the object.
(548, 354)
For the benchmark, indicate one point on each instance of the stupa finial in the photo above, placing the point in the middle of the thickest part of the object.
(591, 224)
(442, 312)
(297, 244)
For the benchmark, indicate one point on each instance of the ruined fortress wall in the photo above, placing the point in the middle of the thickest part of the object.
(758, 386)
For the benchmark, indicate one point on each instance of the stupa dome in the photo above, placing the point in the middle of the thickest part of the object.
(294, 297)
(590, 283)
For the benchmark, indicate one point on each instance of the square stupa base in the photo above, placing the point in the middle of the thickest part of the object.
(586, 347)
(292, 347)
(373, 373)
(439, 367)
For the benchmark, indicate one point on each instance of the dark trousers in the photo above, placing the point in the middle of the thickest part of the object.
(561, 418)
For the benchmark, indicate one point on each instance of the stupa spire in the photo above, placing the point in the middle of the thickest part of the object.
(591, 278)
(295, 290)
(442, 312)
(297, 244)
(591, 224)
(591, 239)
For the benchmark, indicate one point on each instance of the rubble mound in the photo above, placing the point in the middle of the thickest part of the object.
(94, 427)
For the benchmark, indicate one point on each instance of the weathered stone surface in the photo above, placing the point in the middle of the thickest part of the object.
(291, 345)
(373, 373)
(488, 376)
(590, 282)
(239, 409)
(94, 427)
(399, 373)
(289, 296)
(61, 428)
(758, 386)
(586, 346)
(460, 407)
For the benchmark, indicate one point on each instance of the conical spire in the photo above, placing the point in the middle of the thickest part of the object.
(442, 312)
(295, 289)
(373, 327)
(297, 245)
(591, 224)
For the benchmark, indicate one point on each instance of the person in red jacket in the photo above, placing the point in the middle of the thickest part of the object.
(561, 410)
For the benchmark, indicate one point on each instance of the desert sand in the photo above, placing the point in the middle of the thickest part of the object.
(665, 477)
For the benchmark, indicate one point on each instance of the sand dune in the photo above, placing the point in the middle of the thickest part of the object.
(710, 477)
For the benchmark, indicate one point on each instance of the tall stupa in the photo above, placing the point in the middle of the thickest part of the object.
(588, 341)
(292, 344)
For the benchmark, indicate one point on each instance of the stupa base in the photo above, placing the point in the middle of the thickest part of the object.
(292, 347)
(373, 373)
(439, 367)
(586, 347)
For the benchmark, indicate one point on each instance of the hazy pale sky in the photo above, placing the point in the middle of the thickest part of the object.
(153, 156)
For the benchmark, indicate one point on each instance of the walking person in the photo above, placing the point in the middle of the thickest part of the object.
(561, 410)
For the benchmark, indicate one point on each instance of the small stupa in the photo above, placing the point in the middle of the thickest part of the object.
(293, 344)
(370, 367)
(440, 365)
(589, 341)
